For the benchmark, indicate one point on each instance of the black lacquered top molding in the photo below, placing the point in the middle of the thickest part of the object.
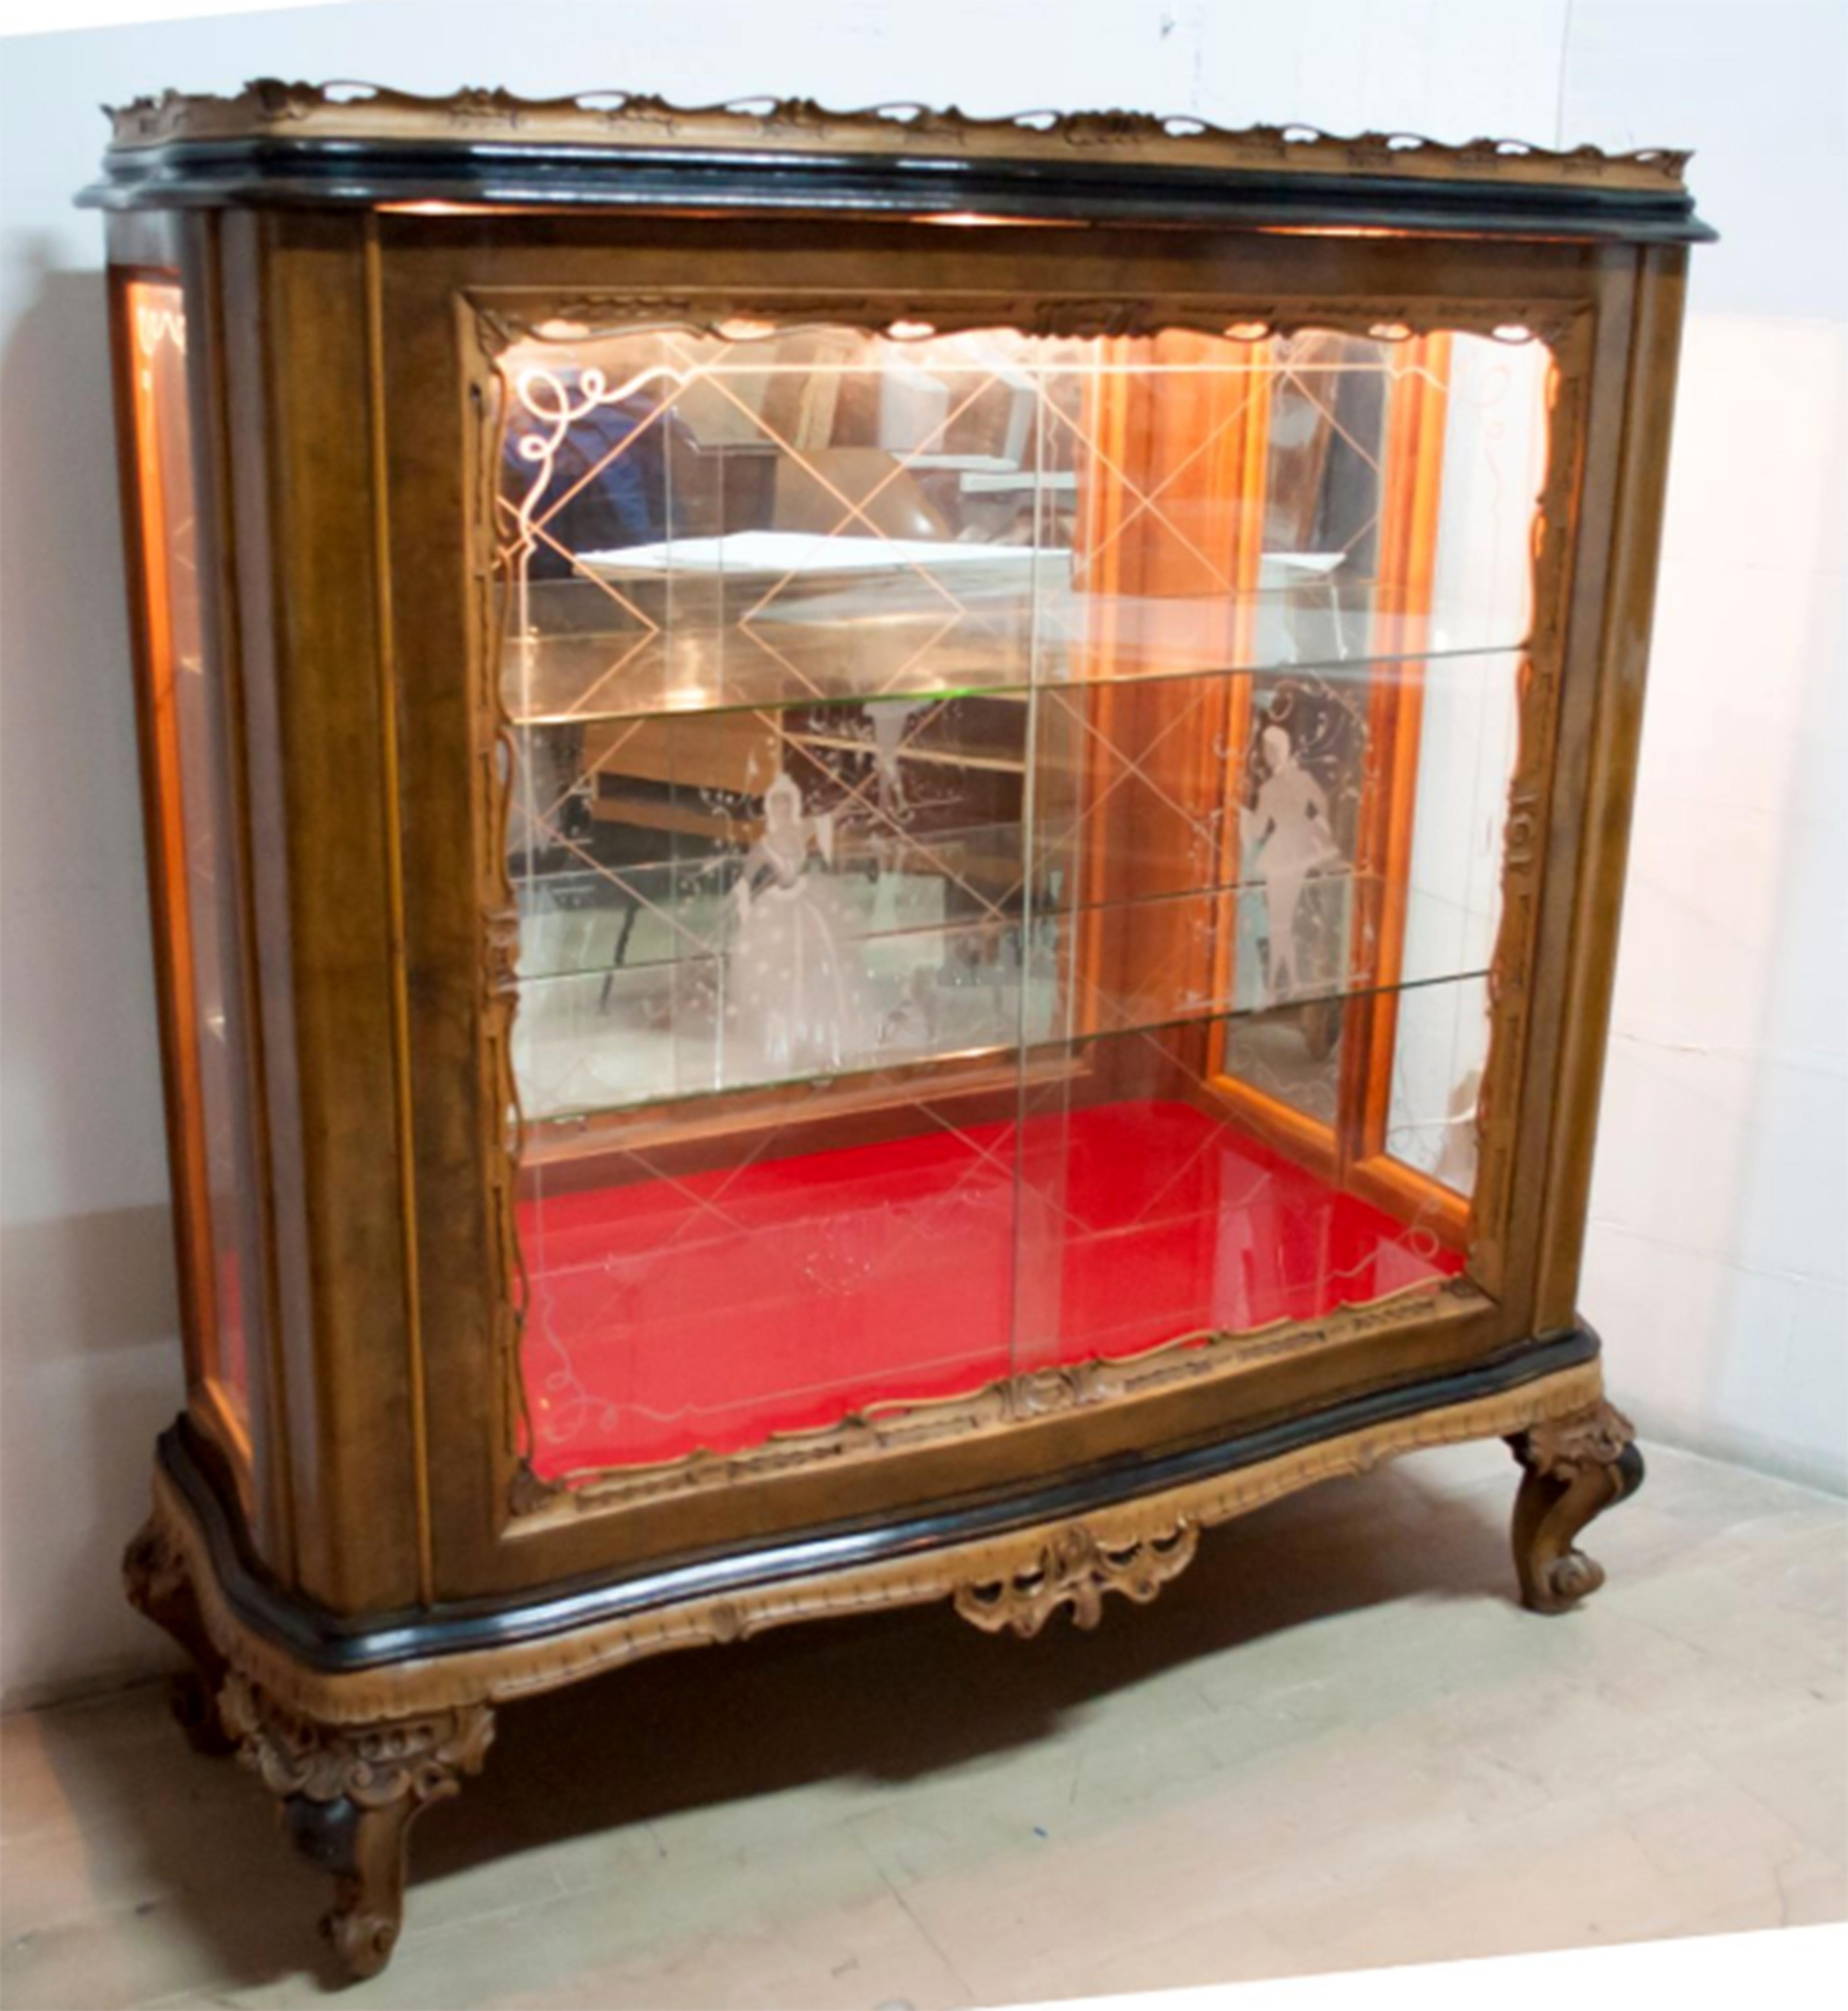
(362, 146)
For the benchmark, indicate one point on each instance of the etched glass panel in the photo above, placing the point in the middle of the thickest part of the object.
(1007, 835)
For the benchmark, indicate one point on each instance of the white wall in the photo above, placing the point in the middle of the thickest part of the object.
(1716, 1263)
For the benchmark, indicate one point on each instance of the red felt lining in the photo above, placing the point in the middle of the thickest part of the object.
(665, 1315)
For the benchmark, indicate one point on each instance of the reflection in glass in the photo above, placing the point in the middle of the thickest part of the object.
(1151, 1212)
(1439, 1050)
(1007, 838)
(192, 844)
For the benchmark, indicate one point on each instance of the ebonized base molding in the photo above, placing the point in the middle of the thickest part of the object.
(354, 1754)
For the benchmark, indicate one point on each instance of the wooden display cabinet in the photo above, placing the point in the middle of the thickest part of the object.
(885, 852)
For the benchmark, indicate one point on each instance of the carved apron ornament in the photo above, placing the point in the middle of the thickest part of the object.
(1074, 1568)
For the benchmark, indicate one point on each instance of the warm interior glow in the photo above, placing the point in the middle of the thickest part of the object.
(1332, 230)
(976, 220)
(187, 839)
(432, 207)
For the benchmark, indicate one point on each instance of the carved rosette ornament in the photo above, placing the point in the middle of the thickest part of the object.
(1567, 1446)
(1574, 1468)
(350, 1794)
(1075, 1567)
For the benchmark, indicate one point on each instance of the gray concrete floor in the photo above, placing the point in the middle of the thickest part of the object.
(1336, 1742)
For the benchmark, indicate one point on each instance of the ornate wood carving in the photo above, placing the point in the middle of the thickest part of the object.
(1565, 1447)
(354, 1758)
(1530, 791)
(1072, 1568)
(350, 1795)
(431, 1684)
(1574, 1468)
(361, 111)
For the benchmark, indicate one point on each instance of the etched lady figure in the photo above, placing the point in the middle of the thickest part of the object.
(799, 1001)
(1287, 829)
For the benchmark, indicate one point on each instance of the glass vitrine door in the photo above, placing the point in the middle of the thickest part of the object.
(1007, 835)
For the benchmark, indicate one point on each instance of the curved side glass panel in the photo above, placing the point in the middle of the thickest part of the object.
(191, 840)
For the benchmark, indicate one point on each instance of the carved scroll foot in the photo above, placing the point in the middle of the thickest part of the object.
(1574, 1469)
(154, 1576)
(350, 1795)
(365, 1850)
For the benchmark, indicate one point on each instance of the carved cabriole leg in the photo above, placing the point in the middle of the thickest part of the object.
(1574, 1467)
(155, 1574)
(350, 1794)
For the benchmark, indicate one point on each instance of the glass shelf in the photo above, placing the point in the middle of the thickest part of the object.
(956, 875)
(673, 917)
(666, 1060)
(561, 675)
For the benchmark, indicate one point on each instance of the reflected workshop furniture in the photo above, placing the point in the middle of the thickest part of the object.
(885, 852)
